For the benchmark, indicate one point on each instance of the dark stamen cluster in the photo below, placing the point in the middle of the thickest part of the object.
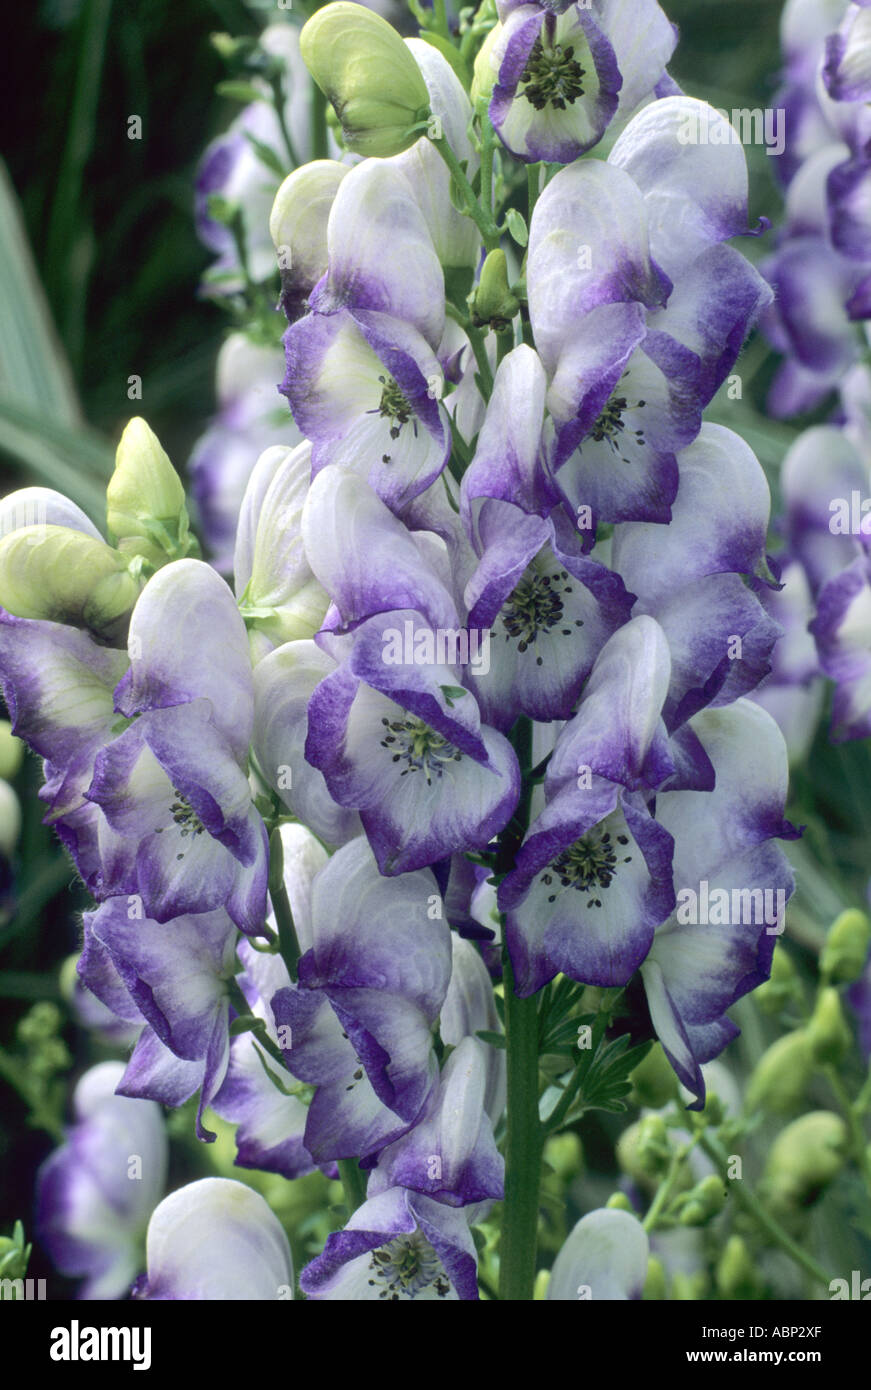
(552, 77)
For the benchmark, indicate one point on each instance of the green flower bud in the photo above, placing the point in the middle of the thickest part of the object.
(492, 301)
(11, 751)
(704, 1201)
(830, 1038)
(643, 1151)
(804, 1159)
(846, 949)
(485, 72)
(655, 1285)
(782, 988)
(368, 75)
(688, 1288)
(565, 1155)
(654, 1083)
(10, 819)
(539, 1288)
(56, 573)
(618, 1201)
(736, 1272)
(781, 1075)
(145, 502)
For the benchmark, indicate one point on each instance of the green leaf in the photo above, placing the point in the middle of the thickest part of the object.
(266, 154)
(494, 1039)
(452, 693)
(516, 223)
(607, 1081)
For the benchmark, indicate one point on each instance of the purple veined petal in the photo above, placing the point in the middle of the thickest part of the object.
(540, 117)
(265, 469)
(180, 828)
(187, 641)
(365, 558)
(507, 540)
(842, 629)
(746, 806)
(509, 457)
(715, 303)
(604, 1257)
(812, 283)
(155, 1073)
(604, 258)
(643, 39)
(397, 1246)
(216, 1239)
(98, 973)
(177, 973)
(375, 206)
(689, 165)
(624, 467)
(364, 388)
(57, 683)
(469, 1007)
(346, 1119)
(619, 722)
(592, 910)
(270, 1125)
(90, 1214)
(822, 473)
(42, 506)
(722, 481)
(365, 743)
(847, 67)
(450, 1154)
(849, 193)
(456, 239)
(592, 358)
(283, 685)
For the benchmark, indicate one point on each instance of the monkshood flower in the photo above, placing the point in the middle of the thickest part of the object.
(794, 691)
(732, 883)
(593, 879)
(363, 378)
(215, 1239)
(842, 628)
(96, 1192)
(370, 989)
(397, 1246)
(604, 1257)
(238, 169)
(250, 419)
(470, 1007)
(178, 825)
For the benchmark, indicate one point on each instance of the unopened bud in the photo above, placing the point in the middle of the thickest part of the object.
(643, 1151)
(688, 1288)
(781, 988)
(368, 75)
(804, 1159)
(846, 950)
(565, 1155)
(655, 1285)
(654, 1083)
(11, 751)
(736, 1272)
(298, 227)
(485, 70)
(618, 1201)
(704, 1201)
(492, 302)
(145, 503)
(830, 1038)
(781, 1075)
(66, 577)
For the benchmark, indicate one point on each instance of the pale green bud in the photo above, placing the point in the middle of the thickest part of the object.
(565, 1155)
(782, 987)
(298, 223)
(65, 576)
(492, 301)
(485, 71)
(830, 1038)
(10, 819)
(704, 1201)
(655, 1285)
(11, 751)
(806, 1156)
(654, 1083)
(736, 1272)
(368, 75)
(539, 1288)
(618, 1201)
(145, 502)
(781, 1075)
(846, 949)
(643, 1151)
(688, 1288)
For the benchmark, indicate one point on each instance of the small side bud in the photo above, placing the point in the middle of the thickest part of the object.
(492, 301)
(830, 1038)
(782, 988)
(781, 1075)
(703, 1202)
(654, 1083)
(145, 502)
(66, 577)
(804, 1159)
(846, 950)
(736, 1272)
(655, 1285)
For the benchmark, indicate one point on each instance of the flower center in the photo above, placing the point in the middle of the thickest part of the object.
(588, 865)
(394, 406)
(536, 605)
(610, 425)
(184, 816)
(406, 1267)
(420, 746)
(552, 77)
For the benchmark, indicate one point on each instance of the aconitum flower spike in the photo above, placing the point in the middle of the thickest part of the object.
(216, 1239)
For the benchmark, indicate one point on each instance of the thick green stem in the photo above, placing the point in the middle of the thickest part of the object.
(523, 1148)
(482, 219)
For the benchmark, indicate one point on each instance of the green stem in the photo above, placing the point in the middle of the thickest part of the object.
(354, 1183)
(479, 348)
(482, 219)
(523, 1148)
(287, 938)
(757, 1210)
(666, 1188)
